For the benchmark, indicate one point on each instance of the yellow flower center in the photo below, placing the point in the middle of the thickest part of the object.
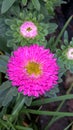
(29, 29)
(33, 68)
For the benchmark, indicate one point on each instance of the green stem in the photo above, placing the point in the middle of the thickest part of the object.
(7, 124)
(17, 108)
(58, 109)
(22, 128)
(49, 100)
(67, 128)
(3, 124)
(48, 113)
(62, 31)
(10, 124)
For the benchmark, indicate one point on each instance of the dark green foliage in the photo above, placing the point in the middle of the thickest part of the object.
(6, 4)
(36, 4)
(3, 63)
(7, 92)
(53, 92)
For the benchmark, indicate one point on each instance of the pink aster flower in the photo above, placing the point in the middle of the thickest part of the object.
(70, 53)
(28, 29)
(33, 70)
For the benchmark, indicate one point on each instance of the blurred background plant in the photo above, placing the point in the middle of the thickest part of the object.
(15, 108)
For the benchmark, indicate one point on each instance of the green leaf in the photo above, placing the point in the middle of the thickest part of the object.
(28, 101)
(4, 86)
(53, 92)
(20, 102)
(7, 92)
(24, 2)
(3, 27)
(3, 69)
(2, 96)
(3, 45)
(62, 47)
(22, 128)
(4, 58)
(18, 106)
(15, 10)
(9, 96)
(3, 63)
(10, 43)
(8, 22)
(40, 17)
(36, 4)
(6, 4)
(44, 11)
(49, 100)
(66, 38)
(52, 27)
(50, 42)
(48, 113)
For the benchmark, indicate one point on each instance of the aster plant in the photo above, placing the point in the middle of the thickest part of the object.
(65, 55)
(31, 67)
(28, 29)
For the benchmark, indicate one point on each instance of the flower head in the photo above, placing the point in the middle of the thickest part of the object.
(70, 53)
(33, 70)
(65, 57)
(28, 29)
